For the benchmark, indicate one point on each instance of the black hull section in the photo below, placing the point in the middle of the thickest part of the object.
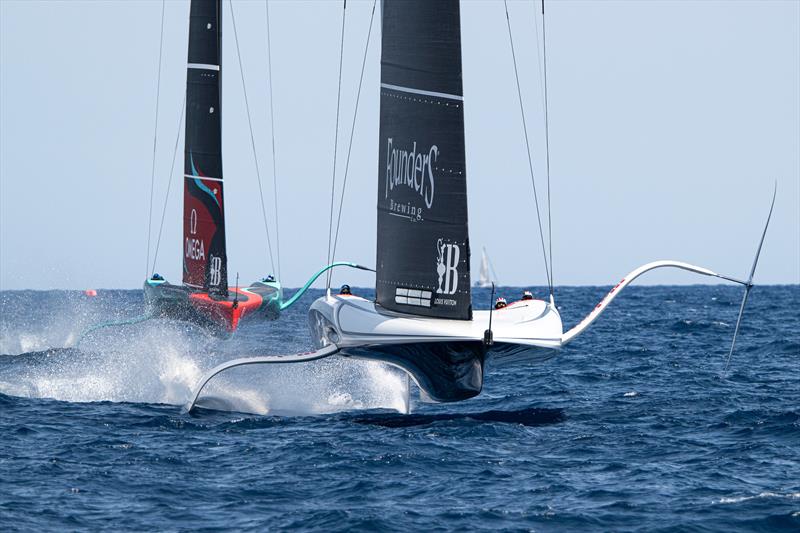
(172, 302)
(445, 371)
(451, 371)
(217, 316)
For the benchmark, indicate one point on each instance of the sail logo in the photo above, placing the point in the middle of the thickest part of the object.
(412, 169)
(214, 271)
(447, 256)
(194, 248)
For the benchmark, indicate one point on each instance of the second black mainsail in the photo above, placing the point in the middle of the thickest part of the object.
(423, 240)
(204, 255)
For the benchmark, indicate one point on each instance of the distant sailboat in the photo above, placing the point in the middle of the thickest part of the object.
(205, 297)
(484, 280)
(422, 320)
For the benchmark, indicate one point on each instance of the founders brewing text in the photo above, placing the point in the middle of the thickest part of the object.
(412, 169)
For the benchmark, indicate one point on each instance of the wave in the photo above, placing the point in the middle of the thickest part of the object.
(762, 495)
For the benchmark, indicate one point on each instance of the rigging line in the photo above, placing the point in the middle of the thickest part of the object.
(528, 147)
(155, 138)
(252, 137)
(538, 54)
(352, 131)
(543, 92)
(547, 152)
(274, 164)
(335, 145)
(169, 183)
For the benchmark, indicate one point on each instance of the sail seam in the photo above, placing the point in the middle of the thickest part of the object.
(202, 66)
(422, 92)
(190, 176)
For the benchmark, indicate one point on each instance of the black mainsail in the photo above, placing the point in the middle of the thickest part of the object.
(204, 255)
(423, 241)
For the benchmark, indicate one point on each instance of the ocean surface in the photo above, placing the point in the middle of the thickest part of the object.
(632, 427)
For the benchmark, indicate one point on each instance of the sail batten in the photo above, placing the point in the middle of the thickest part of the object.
(204, 250)
(423, 240)
(421, 92)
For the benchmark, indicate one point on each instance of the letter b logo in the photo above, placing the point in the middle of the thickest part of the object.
(449, 254)
(215, 271)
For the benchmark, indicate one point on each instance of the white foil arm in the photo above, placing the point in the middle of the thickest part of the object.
(260, 360)
(600, 307)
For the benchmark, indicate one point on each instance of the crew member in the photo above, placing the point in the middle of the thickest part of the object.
(345, 290)
(500, 303)
(527, 295)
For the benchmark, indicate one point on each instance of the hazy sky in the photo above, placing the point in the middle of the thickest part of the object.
(669, 122)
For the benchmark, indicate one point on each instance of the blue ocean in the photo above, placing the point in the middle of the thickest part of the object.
(634, 426)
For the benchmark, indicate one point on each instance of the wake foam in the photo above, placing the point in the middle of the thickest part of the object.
(317, 387)
(762, 495)
(162, 364)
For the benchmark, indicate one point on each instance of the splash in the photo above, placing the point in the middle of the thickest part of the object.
(161, 364)
(133, 366)
(317, 387)
(57, 319)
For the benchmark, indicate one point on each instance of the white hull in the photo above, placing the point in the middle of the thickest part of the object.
(355, 321)
(445, 358)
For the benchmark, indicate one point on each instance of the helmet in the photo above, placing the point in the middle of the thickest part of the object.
(345, 289)
(500, 303)
(157, 277)
(269, 279)
(527, 295)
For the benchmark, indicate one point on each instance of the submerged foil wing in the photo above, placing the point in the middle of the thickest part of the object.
(423, 241)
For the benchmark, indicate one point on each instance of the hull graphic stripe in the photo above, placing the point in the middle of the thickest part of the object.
(420, 91)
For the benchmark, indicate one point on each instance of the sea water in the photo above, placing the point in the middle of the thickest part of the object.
(633, 426)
